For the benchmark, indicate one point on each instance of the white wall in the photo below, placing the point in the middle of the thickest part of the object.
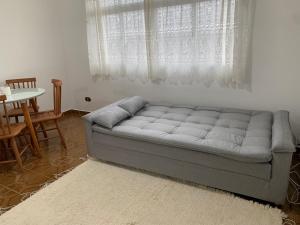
(31, 45)
(276, 66)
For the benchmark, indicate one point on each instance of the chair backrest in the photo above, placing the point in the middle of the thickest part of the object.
(2, 125)
(21, 83)
(57, 95)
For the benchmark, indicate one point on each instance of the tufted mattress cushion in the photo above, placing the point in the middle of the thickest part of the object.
(237, 134)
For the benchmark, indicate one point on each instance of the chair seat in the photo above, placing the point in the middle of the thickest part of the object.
(15, 130)
(44, 116)
(18, 112)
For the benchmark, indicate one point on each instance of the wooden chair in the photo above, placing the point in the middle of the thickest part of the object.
(9, 132)
(52, 115)
(16, 111)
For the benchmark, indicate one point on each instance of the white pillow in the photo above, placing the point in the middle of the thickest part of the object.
(133, 104)
(110, 116)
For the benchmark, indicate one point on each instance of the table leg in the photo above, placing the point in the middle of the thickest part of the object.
(33, 104)
(30, 128)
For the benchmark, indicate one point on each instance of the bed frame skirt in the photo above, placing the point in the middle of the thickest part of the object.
(105, 147)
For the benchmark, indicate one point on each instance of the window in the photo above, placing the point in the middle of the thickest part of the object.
(173, 41)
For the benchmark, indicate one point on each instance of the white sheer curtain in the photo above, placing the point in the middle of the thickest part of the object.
(172, 41)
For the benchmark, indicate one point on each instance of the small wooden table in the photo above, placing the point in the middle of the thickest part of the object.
(22, 95)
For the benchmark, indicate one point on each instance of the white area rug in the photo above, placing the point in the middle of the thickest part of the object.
(96, 193)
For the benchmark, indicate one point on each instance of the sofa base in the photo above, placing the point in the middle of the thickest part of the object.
(208, 176)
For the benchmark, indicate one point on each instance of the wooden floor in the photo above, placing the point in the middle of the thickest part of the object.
(16, 186)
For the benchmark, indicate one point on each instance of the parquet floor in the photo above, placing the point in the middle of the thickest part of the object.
(16, 186)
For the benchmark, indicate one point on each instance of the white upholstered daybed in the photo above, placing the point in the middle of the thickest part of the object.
(241, 151)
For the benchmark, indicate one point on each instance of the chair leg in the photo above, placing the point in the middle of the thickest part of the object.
(44, 130)
(28, 142)
(35, 130)
(16, 152)
(2, 151)
(19, 138)
(60, 134)
(3, 155)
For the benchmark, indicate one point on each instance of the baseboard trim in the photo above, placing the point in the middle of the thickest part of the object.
(83, 112)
